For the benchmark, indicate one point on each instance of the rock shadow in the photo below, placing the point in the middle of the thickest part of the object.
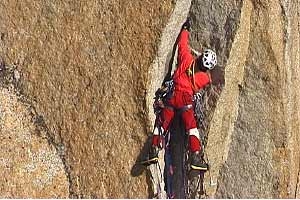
(139, 169)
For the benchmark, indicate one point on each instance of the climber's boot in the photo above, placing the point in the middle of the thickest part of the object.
(197, 163)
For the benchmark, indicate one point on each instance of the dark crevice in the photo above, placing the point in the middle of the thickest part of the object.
(298, 182)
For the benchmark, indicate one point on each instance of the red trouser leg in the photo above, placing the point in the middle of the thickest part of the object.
(191, 126)
(179, 100)
(167, 116)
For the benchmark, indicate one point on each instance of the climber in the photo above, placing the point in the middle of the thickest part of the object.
(191, 75)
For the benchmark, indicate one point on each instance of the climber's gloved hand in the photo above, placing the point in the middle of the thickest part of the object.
(187, 24)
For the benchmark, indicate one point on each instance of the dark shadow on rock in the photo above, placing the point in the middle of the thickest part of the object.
(138, 169)
(170, 60)
(178, 145)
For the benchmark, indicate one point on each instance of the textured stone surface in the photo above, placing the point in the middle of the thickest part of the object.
(258, 121)
(214, 26)
(226, 112)
(30, 165)
(83, 65)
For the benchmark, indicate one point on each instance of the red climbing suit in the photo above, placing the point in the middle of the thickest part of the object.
(183, 93)
(182, 80)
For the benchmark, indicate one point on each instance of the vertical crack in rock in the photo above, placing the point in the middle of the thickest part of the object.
(225, 115)
(159, 69)
(297, 193)
(215, 25)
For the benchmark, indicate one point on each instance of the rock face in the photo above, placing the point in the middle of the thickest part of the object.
(31, 166)
(76, 117)
(84, 67)
(255, 124)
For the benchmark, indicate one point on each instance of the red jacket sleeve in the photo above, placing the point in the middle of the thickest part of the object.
(185, 57)
(201, 80)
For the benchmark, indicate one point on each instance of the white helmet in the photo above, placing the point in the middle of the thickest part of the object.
(209, 59)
